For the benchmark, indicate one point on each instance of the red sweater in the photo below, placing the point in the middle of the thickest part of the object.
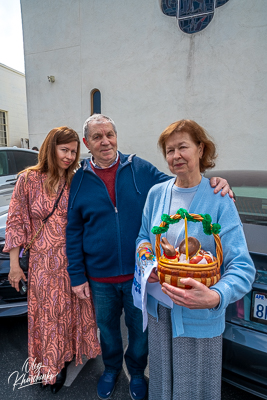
(108, 176)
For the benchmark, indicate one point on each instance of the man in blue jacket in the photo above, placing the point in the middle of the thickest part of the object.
(106, 201)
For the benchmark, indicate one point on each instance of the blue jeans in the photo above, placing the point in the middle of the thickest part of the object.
(109, 301)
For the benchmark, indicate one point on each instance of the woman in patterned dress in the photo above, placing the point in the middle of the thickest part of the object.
(60, 325)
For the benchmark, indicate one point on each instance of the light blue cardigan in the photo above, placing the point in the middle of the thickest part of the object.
(237, 270)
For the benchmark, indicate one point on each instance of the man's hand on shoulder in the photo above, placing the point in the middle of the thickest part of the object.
(221, 184)
(82, 291)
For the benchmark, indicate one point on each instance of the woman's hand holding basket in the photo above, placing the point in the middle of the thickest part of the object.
(198, 297)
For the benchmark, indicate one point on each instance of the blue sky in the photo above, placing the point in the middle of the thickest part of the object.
(11, 53)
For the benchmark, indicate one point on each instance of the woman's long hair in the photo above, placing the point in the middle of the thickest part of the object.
(47, 158)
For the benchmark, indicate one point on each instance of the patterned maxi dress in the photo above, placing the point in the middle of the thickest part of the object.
(60, 325)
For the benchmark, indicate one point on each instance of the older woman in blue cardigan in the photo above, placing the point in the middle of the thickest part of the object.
(185, 326)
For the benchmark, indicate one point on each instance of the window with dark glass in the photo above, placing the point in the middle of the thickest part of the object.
(95, 102)
(192, 15)
(24, 159)
(169, 7)
(3, 128)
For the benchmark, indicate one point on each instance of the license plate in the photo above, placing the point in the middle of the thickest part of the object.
(259, 307)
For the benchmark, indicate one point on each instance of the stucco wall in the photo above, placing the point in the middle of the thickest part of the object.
(13, 101)
(149, 73)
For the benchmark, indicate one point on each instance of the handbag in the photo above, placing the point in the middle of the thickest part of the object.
(24, 259)
(24, 254)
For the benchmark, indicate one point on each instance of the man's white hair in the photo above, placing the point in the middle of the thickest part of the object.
(98, 118)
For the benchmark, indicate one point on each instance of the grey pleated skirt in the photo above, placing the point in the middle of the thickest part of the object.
(182, 368)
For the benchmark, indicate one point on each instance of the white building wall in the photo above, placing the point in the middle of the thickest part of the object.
(150, 73)
(13, 101)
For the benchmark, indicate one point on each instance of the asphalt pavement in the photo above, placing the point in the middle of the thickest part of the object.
(81, 381)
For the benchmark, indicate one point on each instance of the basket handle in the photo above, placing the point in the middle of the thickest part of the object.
(219, 251)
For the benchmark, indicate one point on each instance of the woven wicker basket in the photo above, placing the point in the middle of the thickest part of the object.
(170, 271)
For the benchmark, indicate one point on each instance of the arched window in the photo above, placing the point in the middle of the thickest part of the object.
(95, 102)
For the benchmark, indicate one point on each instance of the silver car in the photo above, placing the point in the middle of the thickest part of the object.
(14, 160)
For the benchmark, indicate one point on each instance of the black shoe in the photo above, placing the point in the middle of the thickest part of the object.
(61, 377)
(43, 386)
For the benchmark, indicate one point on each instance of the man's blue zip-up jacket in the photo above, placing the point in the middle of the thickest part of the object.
(101, 237)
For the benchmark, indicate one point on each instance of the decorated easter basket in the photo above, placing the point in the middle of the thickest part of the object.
(171, 271)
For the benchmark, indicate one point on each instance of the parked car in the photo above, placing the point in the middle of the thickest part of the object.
(245, 335)
(14, 160)
(11, 302)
